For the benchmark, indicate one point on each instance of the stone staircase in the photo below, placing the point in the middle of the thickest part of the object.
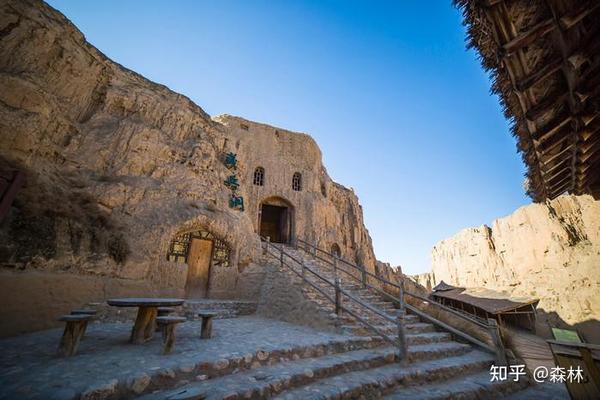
(437, 368)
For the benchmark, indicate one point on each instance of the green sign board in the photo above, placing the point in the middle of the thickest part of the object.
(565, 335)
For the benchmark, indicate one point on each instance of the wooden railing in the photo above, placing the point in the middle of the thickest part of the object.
(583, 352)
(362, 276)
(292, 263)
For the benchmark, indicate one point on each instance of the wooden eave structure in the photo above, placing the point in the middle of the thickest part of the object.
(544, 56)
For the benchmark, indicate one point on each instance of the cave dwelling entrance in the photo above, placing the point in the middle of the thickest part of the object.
(202, 252)
(276, 219)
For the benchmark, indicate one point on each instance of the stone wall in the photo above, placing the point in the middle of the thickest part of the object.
(118, 165)
(548, 251)
(282, 298)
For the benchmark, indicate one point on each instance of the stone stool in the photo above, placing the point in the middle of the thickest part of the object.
(207, 317)
(74, 330)
(168, 324)
(83, 312)
(163, 312)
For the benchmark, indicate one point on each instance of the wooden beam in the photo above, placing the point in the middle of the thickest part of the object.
(550, 102)
(530, 36)
(554, 167)
(570, 20)
(538, 76)
(543, 137)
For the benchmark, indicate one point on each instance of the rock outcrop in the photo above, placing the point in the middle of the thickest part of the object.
(549, 251)
(118, 165)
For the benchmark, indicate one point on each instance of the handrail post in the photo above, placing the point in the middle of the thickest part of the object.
(497, 340)
(303, 270)
(338, 296)
(402, 295)
(281, 258)
(267, 240)
(315, 248)
(364, 277)
(402, 345)
(335, 274)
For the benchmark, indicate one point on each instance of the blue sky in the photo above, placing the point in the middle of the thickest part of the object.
(399, 107)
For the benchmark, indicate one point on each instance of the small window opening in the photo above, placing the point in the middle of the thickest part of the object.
(297, 182)
(259, 176)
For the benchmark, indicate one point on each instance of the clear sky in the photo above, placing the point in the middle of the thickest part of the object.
(399, 107)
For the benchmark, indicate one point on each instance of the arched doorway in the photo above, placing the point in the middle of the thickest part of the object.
(202, 251)
(335, 250)
(276, 219)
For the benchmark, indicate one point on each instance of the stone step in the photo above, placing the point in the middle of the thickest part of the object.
(474, 386)
(424, 338)
(375, 382)
(419, 327)
(267, 381)
(408, 319)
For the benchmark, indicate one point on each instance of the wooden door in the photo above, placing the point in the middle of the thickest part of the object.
(199, 258)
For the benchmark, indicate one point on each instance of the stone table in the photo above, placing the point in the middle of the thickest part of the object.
(145, 322)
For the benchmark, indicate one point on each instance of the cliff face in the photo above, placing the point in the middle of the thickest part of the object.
(548, 251)
(118, 165)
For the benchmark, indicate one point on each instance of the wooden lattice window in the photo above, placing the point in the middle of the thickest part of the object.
(297, 182)
(180, 246)
(259, 176)
(178, 249)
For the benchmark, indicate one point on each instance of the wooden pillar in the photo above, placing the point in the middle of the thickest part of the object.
(497, 340)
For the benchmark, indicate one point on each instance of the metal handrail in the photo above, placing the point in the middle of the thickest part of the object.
(386, 282)
(490, 326)
(337, 288)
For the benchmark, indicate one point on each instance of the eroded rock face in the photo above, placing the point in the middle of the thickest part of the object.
(118, 165)
(548, 251)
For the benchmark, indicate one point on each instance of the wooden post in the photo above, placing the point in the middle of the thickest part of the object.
(315, 248)
(497, 340)
(303, 270)
(590, 364)
(338, 297)
(267, 241)
(402, 345)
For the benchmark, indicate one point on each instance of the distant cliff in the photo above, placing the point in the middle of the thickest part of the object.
(549, 251)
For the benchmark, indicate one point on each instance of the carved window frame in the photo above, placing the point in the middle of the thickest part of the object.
(259, 176)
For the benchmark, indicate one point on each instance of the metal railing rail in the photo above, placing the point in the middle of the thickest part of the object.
(386, 282)
(280, 253)
(491, 325)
